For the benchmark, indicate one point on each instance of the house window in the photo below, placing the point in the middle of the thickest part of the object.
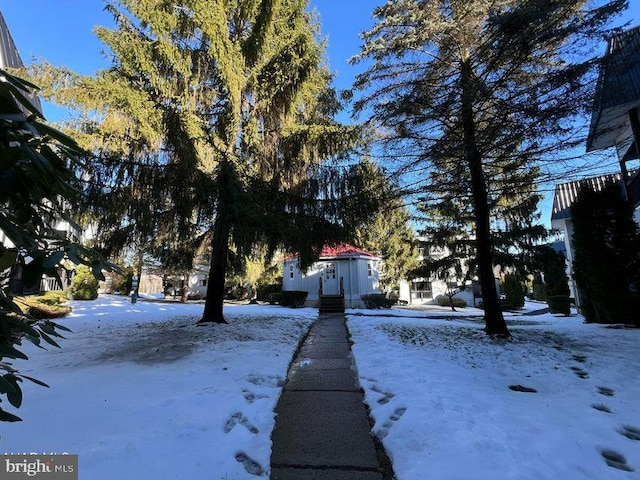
(421, 290)
(203, 282)
(330, 271)
(369, 269)
(290, 271)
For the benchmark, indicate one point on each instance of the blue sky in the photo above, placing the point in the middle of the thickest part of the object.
(60, 31)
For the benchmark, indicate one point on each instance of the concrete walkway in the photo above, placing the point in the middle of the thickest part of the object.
(322, 429)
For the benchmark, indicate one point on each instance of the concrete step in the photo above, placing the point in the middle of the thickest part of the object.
(332, 303)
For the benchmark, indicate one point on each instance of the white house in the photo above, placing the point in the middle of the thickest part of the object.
(422, 291)
(342, 270)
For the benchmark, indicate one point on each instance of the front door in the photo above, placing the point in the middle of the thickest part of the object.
(330, 280)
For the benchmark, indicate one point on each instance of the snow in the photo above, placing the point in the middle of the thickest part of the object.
(141, 391)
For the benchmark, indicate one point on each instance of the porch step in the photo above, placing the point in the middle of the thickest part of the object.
(331, 304)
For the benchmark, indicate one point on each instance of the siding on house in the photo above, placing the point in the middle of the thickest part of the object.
(358, 269)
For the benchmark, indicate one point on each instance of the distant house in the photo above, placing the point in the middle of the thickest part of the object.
(341, 271)
(421, 290)
(615, 119)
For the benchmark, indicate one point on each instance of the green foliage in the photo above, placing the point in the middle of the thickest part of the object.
(41, 307)
(554, 268)
(36, 184)
(378, 300)
(293, 298)
(559, 304)
(84, 285)
(53, 297)
(122, 281)
(387, 231)
(607, 256)
(266, 291)
(514, 292)
(274, 298)
(479, 93)
(538, 289)
(212, 122)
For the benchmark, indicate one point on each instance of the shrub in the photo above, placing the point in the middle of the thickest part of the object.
(514, 293)
(37, 308)
(443, 301)
(53, 297)
(606, 263)
(266, 290)
(538, 289)
(293, 298)
(274, 298)
(378, 300)
(84, 285)
(239, 292)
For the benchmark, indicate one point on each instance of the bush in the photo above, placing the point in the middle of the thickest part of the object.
(378, 300)
(293, 298)
(560, 304)
(84, 285)
(239, 292)
(274, 298)
(514, 293)
(538, 289)
(606, 263)
(265, 291)
(37, 308)
(443, 301)
(53, 297)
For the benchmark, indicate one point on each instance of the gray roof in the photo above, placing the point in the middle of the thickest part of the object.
(617, 91)
(566, 193)
(9, 56)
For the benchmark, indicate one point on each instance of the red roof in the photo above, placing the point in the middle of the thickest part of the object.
(339, 250)
(343, 250)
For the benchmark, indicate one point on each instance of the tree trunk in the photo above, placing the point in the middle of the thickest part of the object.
(494, 320)
(185, 287)
(214, 302)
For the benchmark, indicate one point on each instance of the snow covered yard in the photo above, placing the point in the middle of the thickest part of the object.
(141, 391)
(439, 393)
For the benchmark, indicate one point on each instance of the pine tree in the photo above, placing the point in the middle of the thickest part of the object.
(388, 232)
(471, 82)
(212, 123)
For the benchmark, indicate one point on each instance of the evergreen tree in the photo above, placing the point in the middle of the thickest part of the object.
(388, 232)
(212, 123)
(607, 256)
(471, 83)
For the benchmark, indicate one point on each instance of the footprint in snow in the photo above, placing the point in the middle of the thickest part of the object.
(238, 418)
(632, 433)
(615, 460)
(580, 372)
(601, 408)
(384, 431)
(251, 466)
(251, 397)
(606, 391)
(386, 396)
